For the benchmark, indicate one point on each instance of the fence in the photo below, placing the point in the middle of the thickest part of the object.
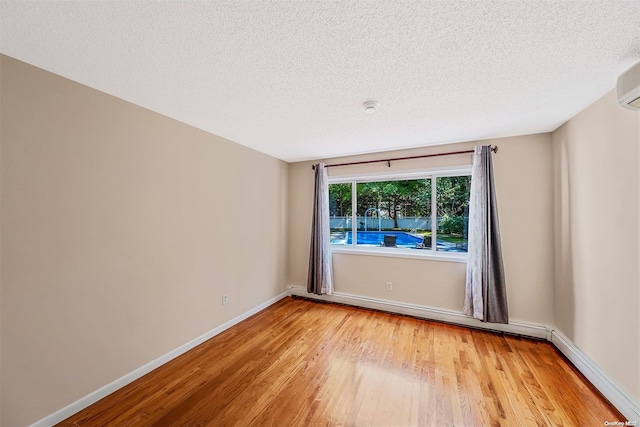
(409, 222)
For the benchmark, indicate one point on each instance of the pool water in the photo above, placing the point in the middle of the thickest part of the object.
(403, 240)
(376, 237)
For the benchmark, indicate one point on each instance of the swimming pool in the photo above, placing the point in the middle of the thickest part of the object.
(403, 240)
(375, 238)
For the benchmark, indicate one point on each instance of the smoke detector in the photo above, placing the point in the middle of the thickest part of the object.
(370, 106)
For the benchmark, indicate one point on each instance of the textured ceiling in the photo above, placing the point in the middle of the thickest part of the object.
(288, 78)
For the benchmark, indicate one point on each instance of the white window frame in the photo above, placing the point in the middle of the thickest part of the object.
(432, 174)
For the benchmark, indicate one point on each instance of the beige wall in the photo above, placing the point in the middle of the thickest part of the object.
(121, 230)
(522, 168)
(597, 198)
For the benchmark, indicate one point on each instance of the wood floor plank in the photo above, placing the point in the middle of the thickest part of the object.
(304, 363)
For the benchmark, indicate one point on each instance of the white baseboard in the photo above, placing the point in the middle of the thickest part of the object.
(91, 398)
(605, 384)
(430, 313)
(600, 380)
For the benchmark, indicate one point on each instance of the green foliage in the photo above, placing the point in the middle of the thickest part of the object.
(340, 199)
(451, 224)
(395, 198)
(453, 195)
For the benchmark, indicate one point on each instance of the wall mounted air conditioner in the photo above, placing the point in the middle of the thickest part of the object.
(628, 88)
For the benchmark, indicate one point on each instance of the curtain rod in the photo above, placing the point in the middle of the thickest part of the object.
(388, 161)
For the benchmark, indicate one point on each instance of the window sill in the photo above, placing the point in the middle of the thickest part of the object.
(399, 253)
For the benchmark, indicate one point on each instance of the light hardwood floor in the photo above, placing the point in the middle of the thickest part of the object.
(304, 363)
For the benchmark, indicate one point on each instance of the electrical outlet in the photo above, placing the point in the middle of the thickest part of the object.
(225, 299)
(389, 286)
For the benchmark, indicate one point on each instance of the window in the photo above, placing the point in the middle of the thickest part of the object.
(396, 212)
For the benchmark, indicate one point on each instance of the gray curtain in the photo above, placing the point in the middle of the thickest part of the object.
(320, 280)
(486, 293)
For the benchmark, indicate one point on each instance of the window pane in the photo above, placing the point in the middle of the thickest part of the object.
(393, 213)
(340, 213)
(453, 213)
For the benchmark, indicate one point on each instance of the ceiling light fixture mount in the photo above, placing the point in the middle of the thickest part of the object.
(370, 106)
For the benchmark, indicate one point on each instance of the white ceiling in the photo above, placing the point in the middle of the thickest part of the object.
(288, 78)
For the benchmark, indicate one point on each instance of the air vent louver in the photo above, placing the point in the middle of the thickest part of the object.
(635, 103)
